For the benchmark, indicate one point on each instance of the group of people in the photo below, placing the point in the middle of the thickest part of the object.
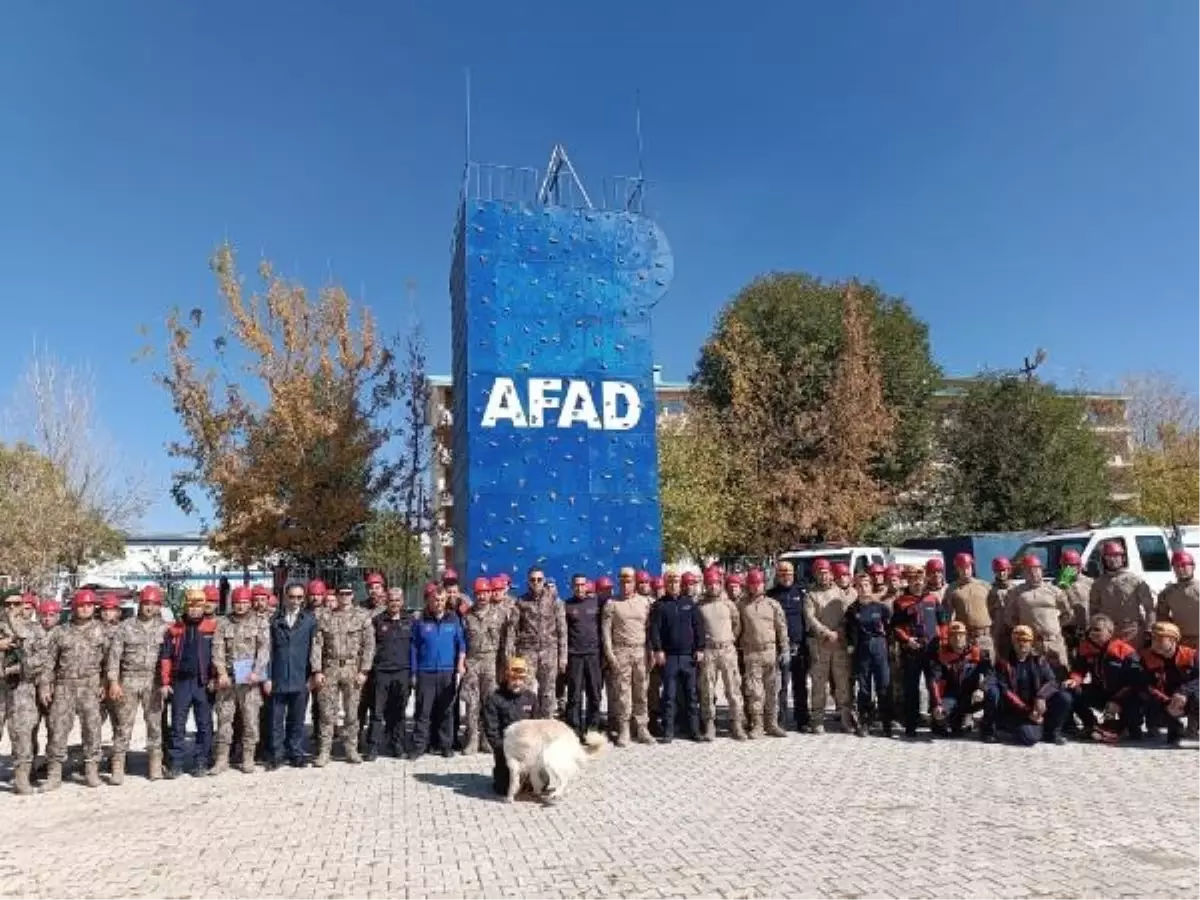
(1102, 658)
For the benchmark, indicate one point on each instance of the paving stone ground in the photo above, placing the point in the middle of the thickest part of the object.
(830, 816)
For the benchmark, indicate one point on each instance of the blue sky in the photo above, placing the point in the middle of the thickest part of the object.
(1024, 173)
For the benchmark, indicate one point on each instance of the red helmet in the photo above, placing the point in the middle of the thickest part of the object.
(712, 577)
(1001, 564)
(1031, 561)
(1070, 557)
(212, 593)
(1112, 548)
(450, 577)
(820, 564)
(241, 594)
(374, 578)
(935, 565)
(733, 578)
(49, 608)
(876, 569)
(316, 588)
(260, 590)
(643, 577)
(604, 583)
(963, 559)
(272, 601)
(589, 587)
(481, 585)
(499, 583)
(110, 601)
(893, 571)
(29, 598)
(152, 594)
(1181, 558)
(431, 589)
(688, 579)
(83, 598)
(756, 577)
(840, 568)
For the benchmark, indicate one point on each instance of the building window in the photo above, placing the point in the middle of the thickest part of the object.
(173, 555)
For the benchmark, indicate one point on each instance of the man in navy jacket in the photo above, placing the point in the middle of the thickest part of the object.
(438, 654)
(292, 631)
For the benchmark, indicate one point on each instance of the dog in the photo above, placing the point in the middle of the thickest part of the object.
(548, 755)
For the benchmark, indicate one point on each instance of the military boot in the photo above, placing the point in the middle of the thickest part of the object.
(642, 735)
(484, 746)
(710, 731)
(247, 766)
(352, 755)
(117, 775)
(53, 777)
(156, 769)
(322, 759)
(849, 720)
(471, 742)
(221, 761)
(623, 735)
(736, 731)
(816, 728)
(755, 727)
(774, 729)
(21, 783)
(91, 774)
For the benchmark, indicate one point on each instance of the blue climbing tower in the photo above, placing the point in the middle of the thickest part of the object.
(555, 461)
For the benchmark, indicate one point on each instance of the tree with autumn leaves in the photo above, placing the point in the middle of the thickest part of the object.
(285, 406)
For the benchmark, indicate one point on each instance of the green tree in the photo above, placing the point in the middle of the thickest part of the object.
(697, 509)
(797, 320)
(37, 515)
(389, 546)
(1021, 456)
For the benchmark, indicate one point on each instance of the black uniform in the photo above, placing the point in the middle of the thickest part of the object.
(677, 630)
(392, 677)
(795, 676)
(583, 662)
(500, 710)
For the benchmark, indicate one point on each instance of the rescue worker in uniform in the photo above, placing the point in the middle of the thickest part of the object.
(967, 602)
(916, 621)
(791, 598)
(540, 638)
(511, 702)
(583, 612)
(69, 682)
(260, 603)
(763, 645)
(677, 641)
(1179, 601)
(825, 615)
(722, 626)
(20, 648)
(343, 652)
(1078, 588)
(1043, 607)
(392, 676)
(132, 671)
(868, 620)
(997, 602)
(624, 627)
(1123, 596)
(879, 580)
(49, 616)
(1116, 679)
(1170, 673)
(315, 604)
(482, 628)
(109, 614)
(1024, 698)
(438, 656)
(935, 581)
(240, 657)
(958, 674)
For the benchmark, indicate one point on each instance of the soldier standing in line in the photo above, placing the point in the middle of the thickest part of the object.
(343, 652)
(260, 605)
(722, 627)
(540, 638)
(1179, 601)
(997, 603)
(69, 682)
(315, 604)
(583, 611)
(19, 648)
(240, 657)
(482, 627)
(1078, 588)
(505, 604)
(391, 675)
(49, 616)
(624, 624)
(109, 616)
(1123, 596)
(791, 598)
(967, 601)
(935, 581)
(764, 647)
(825, 614)
(132, 671)
(1043, 607)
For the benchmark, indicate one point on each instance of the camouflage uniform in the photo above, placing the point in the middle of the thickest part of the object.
(1179, 602)
(1126, 599)
(825, 614)
(74, 654)
(763, 640)
(19, 699)
(133, 660)
(1079, 599)
(238, 639)
(623, 623)
(1044, 608)
(483, 626)
(108, 708)
(539, 634)
(968, 603)
(722, 627)
(343, 649)
(997, 604)
(506, 606)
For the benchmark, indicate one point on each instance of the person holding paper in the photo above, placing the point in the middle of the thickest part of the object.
(241, 652)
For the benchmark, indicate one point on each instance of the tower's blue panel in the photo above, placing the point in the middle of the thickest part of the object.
(556, 303)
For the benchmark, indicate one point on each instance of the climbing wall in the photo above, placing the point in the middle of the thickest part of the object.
(555, 461)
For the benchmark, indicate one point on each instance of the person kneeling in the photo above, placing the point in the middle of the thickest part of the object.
(511, 702)
(958, 672)
(1024, 697)
(1171, 681)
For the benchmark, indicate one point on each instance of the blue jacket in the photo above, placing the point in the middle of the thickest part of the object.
(290, 648)
(676, 627)
(436, 644)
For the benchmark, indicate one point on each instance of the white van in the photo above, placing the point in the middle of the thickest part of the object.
(1147, 551)
(858, 559)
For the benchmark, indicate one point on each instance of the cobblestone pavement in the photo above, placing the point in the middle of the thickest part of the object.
(802, 816)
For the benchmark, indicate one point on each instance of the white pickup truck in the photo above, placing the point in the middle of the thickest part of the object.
(1147, 551)
(857, 558)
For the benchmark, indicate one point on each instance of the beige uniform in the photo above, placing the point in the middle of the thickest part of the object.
(722, 626)
(1126, 599)
(1179, 602)
(997, 604)
(763, 640)
(133, 661)
(1079, 599)
(623, 624)
(825, 614)
(968, 603)
(1044, 608)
